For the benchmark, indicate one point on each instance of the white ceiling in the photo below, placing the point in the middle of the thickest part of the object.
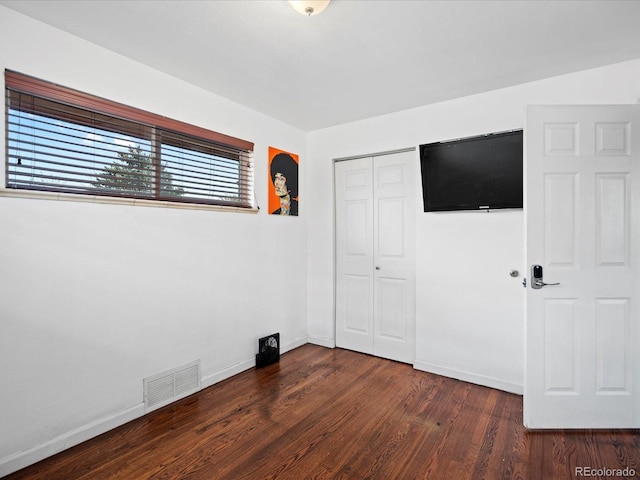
(359, 58)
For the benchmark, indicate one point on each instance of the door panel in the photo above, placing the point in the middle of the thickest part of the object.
(560, 221)
(392, 308)
(561, 349)
(613, 360)
(612, 221)
(357, 293)
(582, 191)
(390, 237)
(358, 237)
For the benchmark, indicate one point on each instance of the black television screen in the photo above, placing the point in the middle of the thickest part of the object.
(476, 173)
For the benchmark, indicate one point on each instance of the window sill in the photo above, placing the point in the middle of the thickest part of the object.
(68, 197)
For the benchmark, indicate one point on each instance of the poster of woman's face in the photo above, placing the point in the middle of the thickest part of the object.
(283, 184)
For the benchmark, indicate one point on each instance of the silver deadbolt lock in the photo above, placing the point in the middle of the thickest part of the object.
(537, 280)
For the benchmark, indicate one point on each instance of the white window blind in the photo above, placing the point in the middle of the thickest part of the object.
(62, 140)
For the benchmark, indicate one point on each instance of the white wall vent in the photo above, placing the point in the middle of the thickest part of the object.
(166, 387)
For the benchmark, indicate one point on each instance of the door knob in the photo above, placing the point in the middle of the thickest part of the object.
(377, 267)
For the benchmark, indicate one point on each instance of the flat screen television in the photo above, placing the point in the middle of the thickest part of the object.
(475, 173)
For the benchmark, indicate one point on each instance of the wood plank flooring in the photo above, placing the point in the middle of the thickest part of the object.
(334, 414)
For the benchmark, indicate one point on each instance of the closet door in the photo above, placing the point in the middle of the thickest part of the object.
(354, 254)
(394, 259)
(375, 261)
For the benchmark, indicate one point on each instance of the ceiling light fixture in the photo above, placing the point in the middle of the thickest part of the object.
(309, 7)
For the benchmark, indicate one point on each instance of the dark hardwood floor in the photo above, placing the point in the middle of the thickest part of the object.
(331, 413)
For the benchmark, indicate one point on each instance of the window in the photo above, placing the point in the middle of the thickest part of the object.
(62, 140)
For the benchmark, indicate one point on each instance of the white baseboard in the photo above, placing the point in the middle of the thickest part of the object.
(323, 342)
(19, 460)
(240, 367)
(483, 380)
(209, 380)
(293, 345)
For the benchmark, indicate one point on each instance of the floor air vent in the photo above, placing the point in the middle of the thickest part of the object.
(268, 350)
(169, 386)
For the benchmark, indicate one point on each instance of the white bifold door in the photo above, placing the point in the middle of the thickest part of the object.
(583, 248)
(375, 255)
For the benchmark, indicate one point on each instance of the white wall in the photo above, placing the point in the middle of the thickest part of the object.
(469, 310)
(95, 297)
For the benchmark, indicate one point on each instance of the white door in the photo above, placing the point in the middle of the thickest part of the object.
(375, 260)
(354, 254)
(583, 228)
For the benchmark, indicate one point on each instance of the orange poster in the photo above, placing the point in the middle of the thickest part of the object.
(283, 182)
